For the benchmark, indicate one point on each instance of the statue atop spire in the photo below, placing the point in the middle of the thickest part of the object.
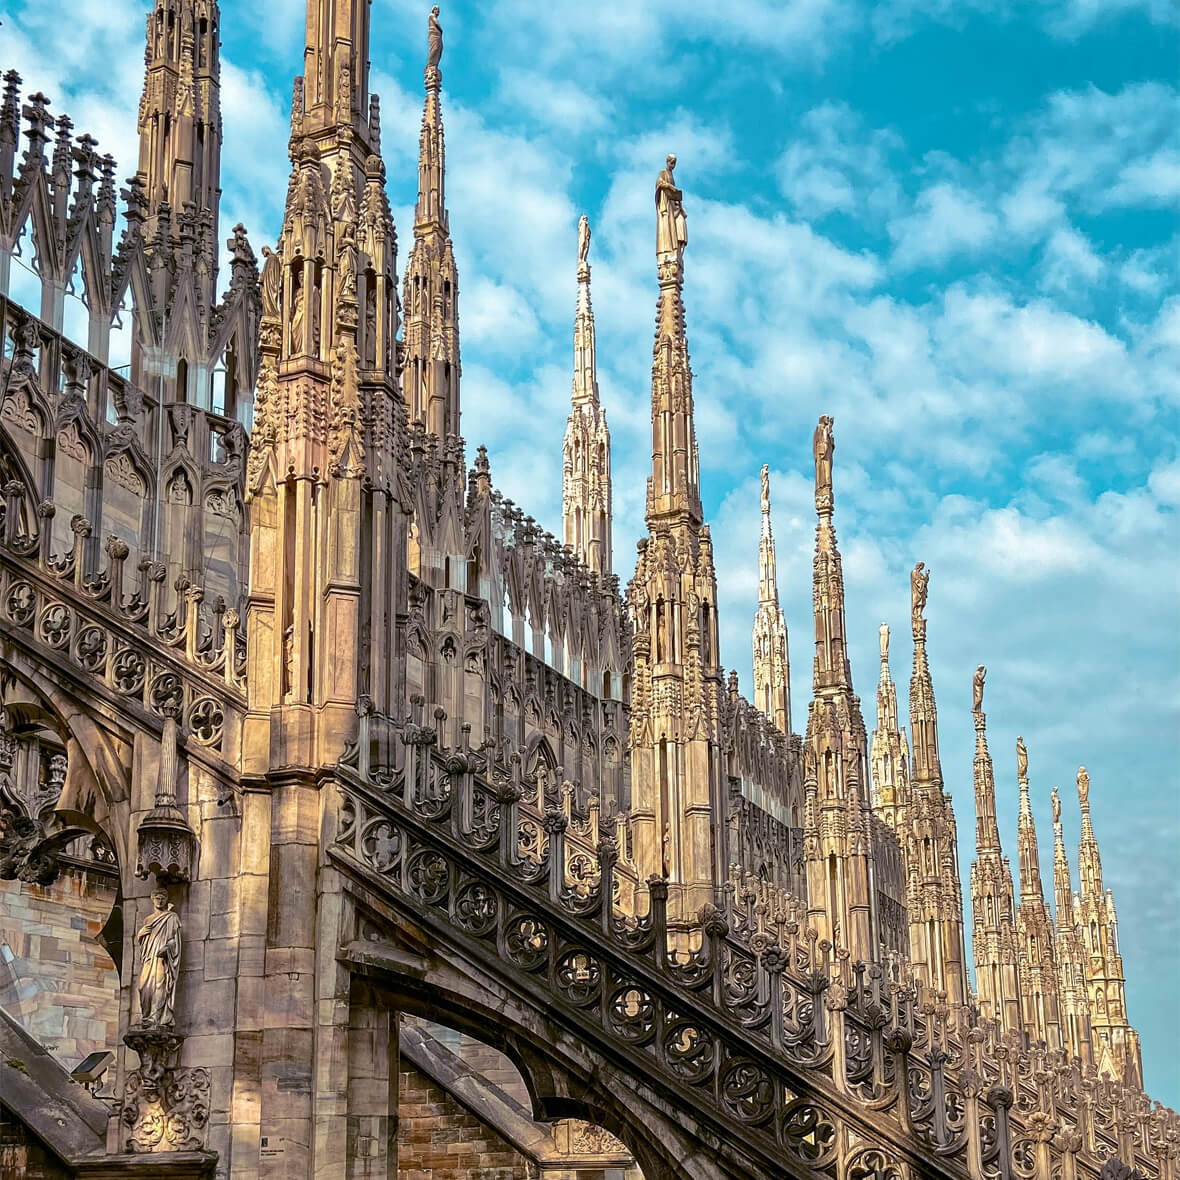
(823, 444)
(671, 222)
(434, 41)
(583, 243)
(919, 579)
(977, 689)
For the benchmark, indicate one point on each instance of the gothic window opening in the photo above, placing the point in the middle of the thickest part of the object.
(24, 280)
(76, 309)
(182, 383)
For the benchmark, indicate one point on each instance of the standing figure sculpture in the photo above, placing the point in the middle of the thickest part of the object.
(823, 444)
(765, 489)
(159, 964)
(919, 579)
(583, 239)
(1021, 759)
(1083, 787)
(671, 223)
(977, 689)
(272, 283)
(434, 41)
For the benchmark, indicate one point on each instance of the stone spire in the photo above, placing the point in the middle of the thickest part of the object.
(1115, 1043)
(926, 768)
(992, 901)
(930, 835)
(832, 675)
(326, 412)
(1070, 951)
(328, 514)
(837, 850)
(673, 492)
(679, 791)
(889, 751)
(430, 364)
(1089, 860)
(1039, 999)
(772, 666)
(180, 123)
(586, 481)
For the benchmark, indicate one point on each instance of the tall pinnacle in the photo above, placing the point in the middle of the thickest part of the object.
(674, 489)
(1089, 862)
(767, 568)
(431, 366)
(987, 832)
(1031, 888)
(585, 349)
(888, 754)
(772, 670)
(926, 769)
(886, 690)
(586, 482)
(431, 209)
(832, 672)
(1062, 885)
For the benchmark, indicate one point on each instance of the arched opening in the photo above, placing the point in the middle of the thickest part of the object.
(465, 1112)
(76, 310)
(59, 928)
(24, 278)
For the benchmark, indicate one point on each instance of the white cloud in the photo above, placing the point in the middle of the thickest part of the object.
(946, 222)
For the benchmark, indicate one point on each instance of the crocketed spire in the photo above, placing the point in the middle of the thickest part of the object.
(1039, 982)
(586, 457)
(772, 669)
(674, 490)
(431, 366)
(992, 902)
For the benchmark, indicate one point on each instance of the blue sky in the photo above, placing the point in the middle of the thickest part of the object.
(949, 223)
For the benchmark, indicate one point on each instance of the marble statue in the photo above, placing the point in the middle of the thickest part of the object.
(919, 579)
(823, 444)
(1021, 758)
(434, 40)
(272, 283)
(671, 223)
(765, 489)
(583, 238)
(159, 940)
(977, 689)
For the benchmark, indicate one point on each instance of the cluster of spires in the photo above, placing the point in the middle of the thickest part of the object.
(1060, 982)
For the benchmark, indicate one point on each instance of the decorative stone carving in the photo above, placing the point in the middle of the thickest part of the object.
(167, 844)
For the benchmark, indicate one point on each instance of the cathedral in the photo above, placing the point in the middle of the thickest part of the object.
(353, 825)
